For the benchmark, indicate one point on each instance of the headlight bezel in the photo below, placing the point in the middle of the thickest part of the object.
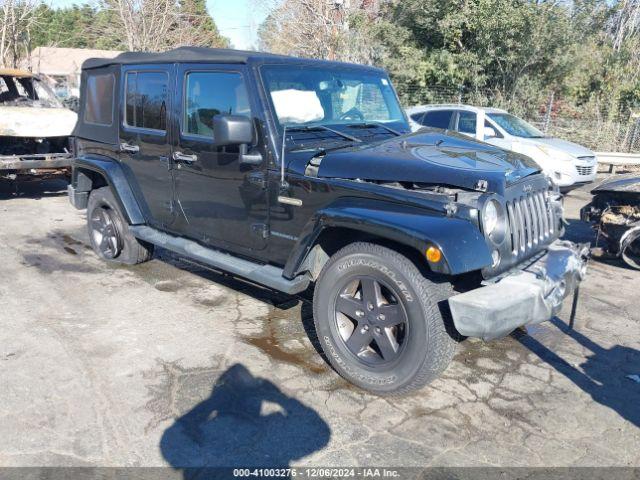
(498, 233)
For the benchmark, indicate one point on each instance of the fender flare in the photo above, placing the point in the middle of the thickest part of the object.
(463, 247)
(113, 173)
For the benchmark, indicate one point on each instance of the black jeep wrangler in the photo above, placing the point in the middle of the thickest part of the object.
(290, 172)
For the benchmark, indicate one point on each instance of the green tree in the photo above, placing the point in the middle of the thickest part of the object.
(200, 26)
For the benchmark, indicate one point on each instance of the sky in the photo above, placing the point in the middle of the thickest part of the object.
(237, 20)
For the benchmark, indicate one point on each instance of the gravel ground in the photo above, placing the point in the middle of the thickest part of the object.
(168, 364)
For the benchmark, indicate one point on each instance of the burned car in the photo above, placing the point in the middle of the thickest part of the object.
(614, 212)
(35, 128)
(300, 174)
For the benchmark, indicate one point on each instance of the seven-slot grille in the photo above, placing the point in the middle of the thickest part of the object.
(586, 170)
(532, 222)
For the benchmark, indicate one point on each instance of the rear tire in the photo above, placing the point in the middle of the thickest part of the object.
(397, 342)
(109, 232)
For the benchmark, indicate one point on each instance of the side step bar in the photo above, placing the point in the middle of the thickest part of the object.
(267, 275)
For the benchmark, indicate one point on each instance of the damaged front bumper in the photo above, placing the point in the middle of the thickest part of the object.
(36, 161)
(528, 296)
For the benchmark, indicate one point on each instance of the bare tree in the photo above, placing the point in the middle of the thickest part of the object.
(316, 28)
(142, 25)
(625, 23)
(17, 19)
(157, 25)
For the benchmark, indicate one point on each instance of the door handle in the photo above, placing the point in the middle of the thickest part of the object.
(125, 147)
(182, 157)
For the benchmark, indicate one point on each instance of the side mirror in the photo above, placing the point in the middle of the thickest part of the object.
(232, 130)
(490, 132)
(236, 130)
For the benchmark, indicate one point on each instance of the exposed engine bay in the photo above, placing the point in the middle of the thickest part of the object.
(615, 214)
(33, 146)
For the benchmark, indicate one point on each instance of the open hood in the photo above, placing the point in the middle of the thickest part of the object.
(620, 183)
(36, 122)
(430, 157)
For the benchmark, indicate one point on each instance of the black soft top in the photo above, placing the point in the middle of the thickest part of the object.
(197, 55)
(102, 81)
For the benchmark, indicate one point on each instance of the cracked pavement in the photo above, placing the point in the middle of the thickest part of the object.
(167, 363)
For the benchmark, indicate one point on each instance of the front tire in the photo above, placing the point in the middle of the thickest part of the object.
(379, 320)
(109, 232)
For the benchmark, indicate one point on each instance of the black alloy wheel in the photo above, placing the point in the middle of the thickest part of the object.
(381, 320)
(105, 233)
(372, 323)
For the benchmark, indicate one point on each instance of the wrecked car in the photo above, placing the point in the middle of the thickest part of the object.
(614, 212)
(35, 128)
(300, 175)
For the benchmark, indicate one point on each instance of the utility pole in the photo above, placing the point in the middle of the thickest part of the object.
(337, 23)
(547, 116)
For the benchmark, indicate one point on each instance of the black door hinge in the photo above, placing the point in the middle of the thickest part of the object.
(257, 179)
(260, 229)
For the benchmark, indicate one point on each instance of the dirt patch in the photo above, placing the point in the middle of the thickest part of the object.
(60, 239)
(210, 302)
(167, 286)
(277, 342)
(50, 264)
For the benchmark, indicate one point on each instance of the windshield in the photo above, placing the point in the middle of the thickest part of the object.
(313, 95)
(515, 126)
(27, 91)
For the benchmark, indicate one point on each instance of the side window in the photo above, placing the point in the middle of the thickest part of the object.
(99, 104)
(438, 119)
(417, 117)
(487, 124)
(467, 122)
(212, 93)
(146, 100)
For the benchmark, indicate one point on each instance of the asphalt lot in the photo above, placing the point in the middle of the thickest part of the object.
(168, 364)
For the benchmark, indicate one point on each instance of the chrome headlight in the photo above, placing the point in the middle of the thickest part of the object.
(493, 221)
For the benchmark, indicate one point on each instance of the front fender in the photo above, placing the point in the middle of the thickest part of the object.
(463, 247)
(114, 175)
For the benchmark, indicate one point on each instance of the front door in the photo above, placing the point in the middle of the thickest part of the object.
(144, 141)
(219, 200)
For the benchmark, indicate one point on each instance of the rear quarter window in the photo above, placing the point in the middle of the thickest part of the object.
(99, 103)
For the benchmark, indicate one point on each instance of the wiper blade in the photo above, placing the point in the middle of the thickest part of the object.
(375, 124)
(310, 128)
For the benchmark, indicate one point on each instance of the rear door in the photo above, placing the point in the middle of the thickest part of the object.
(219, 200)
(438, 119)
(144, 139)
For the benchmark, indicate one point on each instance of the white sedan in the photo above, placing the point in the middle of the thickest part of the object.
(568, 164)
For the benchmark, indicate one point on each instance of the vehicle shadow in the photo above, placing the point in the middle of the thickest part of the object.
(33, 188)
(246, 422)
(604, 374)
